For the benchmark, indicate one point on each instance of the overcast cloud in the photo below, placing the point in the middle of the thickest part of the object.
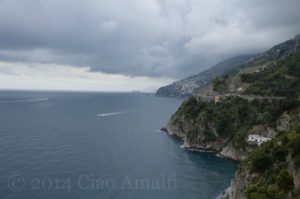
(155, 38)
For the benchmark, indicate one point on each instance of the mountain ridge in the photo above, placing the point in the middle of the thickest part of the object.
(190, 85)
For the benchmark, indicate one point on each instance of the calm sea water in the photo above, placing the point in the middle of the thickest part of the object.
(99, 145)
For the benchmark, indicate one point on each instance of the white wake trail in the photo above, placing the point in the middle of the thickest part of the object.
(109, 114)
(25, 100)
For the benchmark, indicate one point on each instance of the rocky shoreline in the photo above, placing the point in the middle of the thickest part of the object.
(233, 191)
(230, 191)
(236, 190)
(227, 152)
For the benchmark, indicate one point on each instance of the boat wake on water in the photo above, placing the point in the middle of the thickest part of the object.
(109, 114)
(24, 100)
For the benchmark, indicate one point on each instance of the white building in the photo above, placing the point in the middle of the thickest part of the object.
(257, 139)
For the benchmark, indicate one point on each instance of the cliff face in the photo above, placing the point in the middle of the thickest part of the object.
(255, 99)
(237, 188)
(223, 127)
(232, 152)
(271, 171)
(260, 97)
(193, 84)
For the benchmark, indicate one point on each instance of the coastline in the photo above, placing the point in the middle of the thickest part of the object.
(225, 194)
(184, 145)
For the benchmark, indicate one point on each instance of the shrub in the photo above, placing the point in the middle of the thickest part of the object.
(273, 190)
(295, 145)
(279, 154)
(219, 85)
(261, 162)
(297, 161)
(285, 181)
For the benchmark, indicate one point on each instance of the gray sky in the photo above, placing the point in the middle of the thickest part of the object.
(137, 40)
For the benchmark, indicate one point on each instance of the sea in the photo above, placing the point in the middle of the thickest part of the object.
(84, 145)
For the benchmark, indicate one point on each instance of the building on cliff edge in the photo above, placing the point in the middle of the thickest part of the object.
(257, 139)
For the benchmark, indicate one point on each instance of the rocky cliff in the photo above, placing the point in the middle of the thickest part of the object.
(273, 170)
(260, 97)
(223, 127)
(269, 172)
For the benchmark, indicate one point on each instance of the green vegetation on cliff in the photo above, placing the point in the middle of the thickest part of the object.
(272, 168)
(271, 171)
(219, 85)
(273, 73)
(230, 119)
(278, 79)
